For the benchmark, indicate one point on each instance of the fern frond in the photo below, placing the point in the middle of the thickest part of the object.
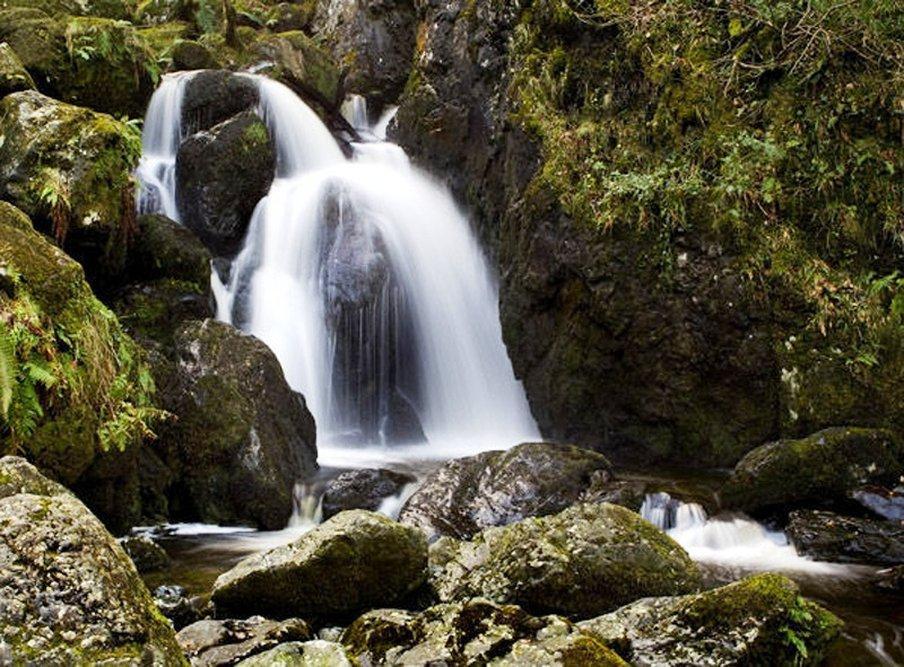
(8, 369)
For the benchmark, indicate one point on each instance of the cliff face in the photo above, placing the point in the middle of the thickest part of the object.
(695, 210)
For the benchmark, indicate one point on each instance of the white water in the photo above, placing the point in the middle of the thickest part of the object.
(733, 541)
(365, 279)
(160, 141)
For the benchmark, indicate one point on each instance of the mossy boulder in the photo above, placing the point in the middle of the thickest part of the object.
(14, 78)
(164, 249)
(111, 9)
(472, 632)
(297, 61)
(844, 539)
(221, 175)
(761, 620)
(190, 55)
(147, 555)
(70, 169)
(70, 593)
(301, 654)
(581, 562)
(38, 40)
(242, 437)
(211, 643)
(75, 387)
(821, 469)
(355, 561)
(497, 488)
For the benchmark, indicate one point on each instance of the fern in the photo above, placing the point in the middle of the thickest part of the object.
(7, 370)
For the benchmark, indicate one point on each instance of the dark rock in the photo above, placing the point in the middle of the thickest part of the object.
(821, 469)
(375, 43)
(887, 503)
(221, 174)
(466, 495)
(213, 643)
(751, 621)
(180, 608)
(242, 437)
(584, 561)
(147, 555)
(191, 55)
(891, 579)
(152, 312)
(14, 77)
(70, 593)
(163, 248)
(214, 96)
(843, 539)
(362, 489)
(355, 561)
(472, 632)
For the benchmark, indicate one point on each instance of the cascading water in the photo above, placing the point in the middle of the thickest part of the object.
(366, 281)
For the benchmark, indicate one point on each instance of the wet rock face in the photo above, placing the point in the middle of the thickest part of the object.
(822, 469)
(374, 40)
(70, 593)
(747, 622)
(221, 175)
(355, 561)
(242, 438)
(584, 561)
(472, 632)
(362, 489)
(498, 488)
(214, 96)
(843, 539)
(212, 643)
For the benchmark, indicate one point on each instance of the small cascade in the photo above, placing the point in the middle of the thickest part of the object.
(307, 505)
(729, 540)
(160, 139)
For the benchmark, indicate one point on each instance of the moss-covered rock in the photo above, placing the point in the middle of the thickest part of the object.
(152, 312)
(190, 55)
(221, 175)
(821, 469)
(70, 593)
(584, 561)
(466, 495)
(147, 555)
(111, 9)
(14, 78)
(70, 169)
(315, 653)
(355, 561)
(212, 643)
(297, 61)
(164, 249)
(241, 438)
(74, 385)
(761, 620)
(472, 632)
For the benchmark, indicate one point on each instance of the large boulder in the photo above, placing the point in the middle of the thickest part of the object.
(214, 96)
(14, 78)
(301, 654)
(362, 489)
(211, 643)
(844, 539)
(75, 392)
(164, 249)
(466, 495)
(823, 468)
(584, 561)
(761, 620)
(242, 437)
(221, 174)
(355, 561)
(472, 632)
(70, 169)
(374, 41)
(70, 595)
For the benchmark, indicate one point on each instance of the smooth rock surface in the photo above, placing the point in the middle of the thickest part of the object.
(213, 643)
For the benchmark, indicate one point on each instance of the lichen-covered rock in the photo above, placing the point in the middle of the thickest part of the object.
(296, 60)
(212, 643)
(844, 539)
(78, 387)
(761, 620)
(214, 96)
(823, 468)
(374, 42)
(466, 495)
(14, 78)
(242, 437)
(472, 632)
(362, 489)
(179, 607)
(314, 653)
(581, 562)
(147, 555)
(221, 174)
(70, 169)
(355, 561)
(70, 595)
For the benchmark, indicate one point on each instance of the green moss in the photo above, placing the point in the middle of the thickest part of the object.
(81, 384)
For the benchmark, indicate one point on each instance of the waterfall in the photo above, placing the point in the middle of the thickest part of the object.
(160, 139)
(367, 282)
